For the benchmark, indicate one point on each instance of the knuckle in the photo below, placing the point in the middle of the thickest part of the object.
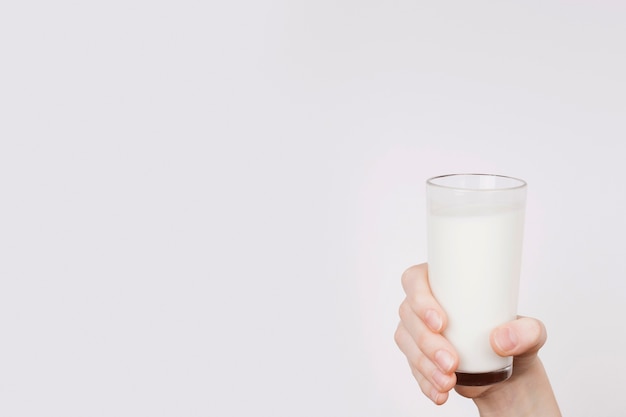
(429, 343)
(423, 343)
(398, 335)
(422, 363)
(406, 276)
(411, 274)
(419, 377)
(404, 310)
(531, 327)
(540, 331)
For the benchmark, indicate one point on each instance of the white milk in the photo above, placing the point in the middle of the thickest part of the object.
(474, 258)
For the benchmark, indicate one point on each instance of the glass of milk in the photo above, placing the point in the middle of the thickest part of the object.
(475, 233)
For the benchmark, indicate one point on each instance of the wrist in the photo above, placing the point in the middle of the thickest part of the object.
(526, 394)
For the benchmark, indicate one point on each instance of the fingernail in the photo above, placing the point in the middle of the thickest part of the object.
(505, 339)
(444, 360)
(433, 320)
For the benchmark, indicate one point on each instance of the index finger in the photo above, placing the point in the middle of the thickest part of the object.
(420, 297)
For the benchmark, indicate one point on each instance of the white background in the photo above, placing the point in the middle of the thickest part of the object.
(206, 207)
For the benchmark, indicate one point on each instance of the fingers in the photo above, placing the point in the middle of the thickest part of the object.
(433, 383)
(431, 357)
(433, 345)
(420, 298)
(521, 337)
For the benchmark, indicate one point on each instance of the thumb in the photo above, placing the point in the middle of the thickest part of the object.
(521, 337)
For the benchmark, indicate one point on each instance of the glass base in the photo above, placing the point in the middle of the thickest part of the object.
(486, 378)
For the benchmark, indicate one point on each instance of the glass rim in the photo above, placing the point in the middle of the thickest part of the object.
(520, 182)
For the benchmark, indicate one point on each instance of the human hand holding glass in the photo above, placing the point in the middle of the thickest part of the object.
(433, 360)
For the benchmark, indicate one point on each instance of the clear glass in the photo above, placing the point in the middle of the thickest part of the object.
(475, 235)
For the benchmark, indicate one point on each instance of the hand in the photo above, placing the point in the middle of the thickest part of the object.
(433, 360)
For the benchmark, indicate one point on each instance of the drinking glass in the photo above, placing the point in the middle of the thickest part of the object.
(475, 234)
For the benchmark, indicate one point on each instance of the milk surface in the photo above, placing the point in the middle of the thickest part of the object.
(474, 257)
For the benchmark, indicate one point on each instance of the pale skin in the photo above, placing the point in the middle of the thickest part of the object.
(433, 360)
